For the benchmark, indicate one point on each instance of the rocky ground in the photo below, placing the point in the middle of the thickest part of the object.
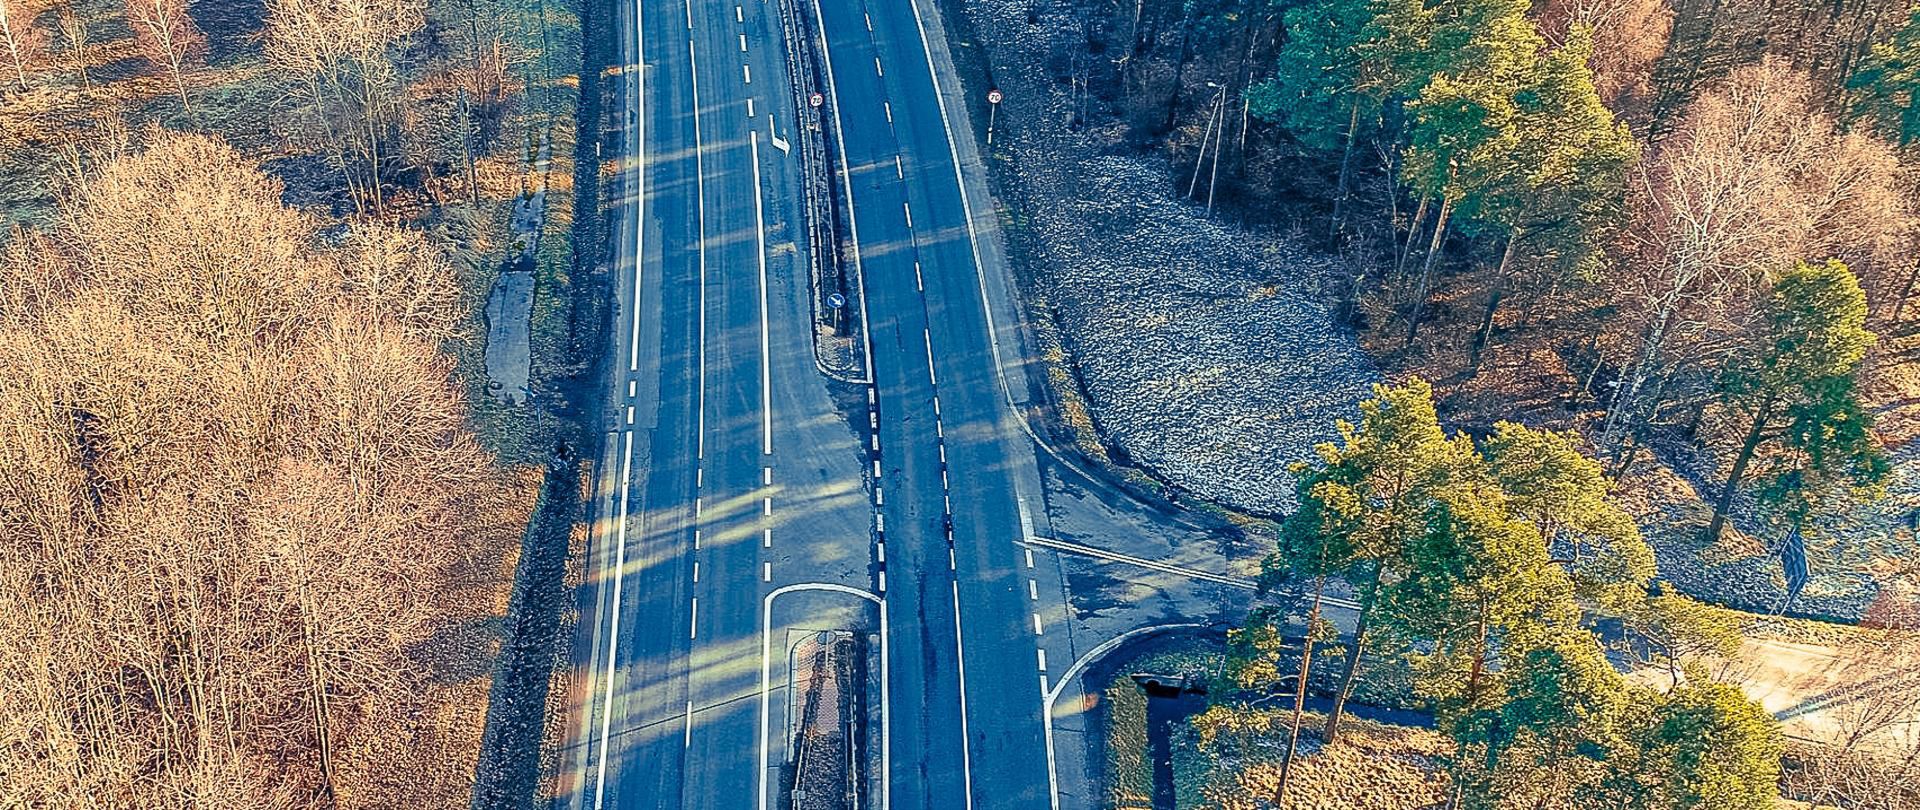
(1206, 352)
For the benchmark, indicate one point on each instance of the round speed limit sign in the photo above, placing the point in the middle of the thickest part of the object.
(816, 99)
(993, 96)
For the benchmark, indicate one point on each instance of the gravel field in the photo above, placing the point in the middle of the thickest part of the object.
(1205, 351)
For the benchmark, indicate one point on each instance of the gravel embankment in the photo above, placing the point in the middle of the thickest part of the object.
(1206, 352)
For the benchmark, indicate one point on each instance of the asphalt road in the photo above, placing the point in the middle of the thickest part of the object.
(732, 480)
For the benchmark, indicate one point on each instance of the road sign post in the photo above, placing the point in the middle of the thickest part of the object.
(837, 303)
(993, 106)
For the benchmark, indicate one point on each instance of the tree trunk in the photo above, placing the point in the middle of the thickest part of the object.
(1350, 668)
(1906, 291)
(1300, 693)
(1625, 400)
(1413, 232)
(317, 690)
(1339, 223)
(1426, 269)
(1485, 332)
(13, 42)
(1725, 502)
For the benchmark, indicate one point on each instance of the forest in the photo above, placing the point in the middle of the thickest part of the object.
(1657, 260)
(260, 521)
(1687, 231)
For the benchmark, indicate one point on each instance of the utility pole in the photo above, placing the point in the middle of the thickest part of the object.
(1212, 111)
(1213, 176)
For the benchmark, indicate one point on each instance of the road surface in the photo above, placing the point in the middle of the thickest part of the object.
(741, 494)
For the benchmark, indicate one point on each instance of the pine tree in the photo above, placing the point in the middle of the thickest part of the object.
(1464, 128)
(1566, 195)
(1344, 61)
(1886, 87)
(1367, 500)
(1795, 389)
(1546, 743)
(1704, 746)
(1564, 494)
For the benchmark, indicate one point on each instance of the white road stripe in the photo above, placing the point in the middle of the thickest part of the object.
(931, 377)
(749, 106)
(966, 744)
(700, 192)
(766, 538)
(743, 43)
(766, 572)
(1043, 659)
(909, 209)
(1036, 625)
(876, 67)
(696, 571)
(746, 75)
(693, 624)
(766, 353)
(686, 741)
(613, 629)
(737, 15)
(1033, 590)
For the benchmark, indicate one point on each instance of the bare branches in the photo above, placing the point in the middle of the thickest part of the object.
(22, 42)
(234, 477)
(169, 38)
(1752, 180)
(344, 55)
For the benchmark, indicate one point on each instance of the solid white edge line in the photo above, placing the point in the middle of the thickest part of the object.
(613, 629)
(766, 364)
(966, 745)
(700, 193)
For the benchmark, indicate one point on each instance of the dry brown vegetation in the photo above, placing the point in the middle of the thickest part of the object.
(246, 540)
(1230, 760)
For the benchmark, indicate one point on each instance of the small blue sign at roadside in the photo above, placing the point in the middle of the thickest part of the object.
(836, 300)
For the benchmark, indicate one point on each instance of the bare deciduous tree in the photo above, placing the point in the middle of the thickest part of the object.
(1628, 37)
(1751, 180)
(234, 478)
(345, 55)
(23, 41)
(169, 38)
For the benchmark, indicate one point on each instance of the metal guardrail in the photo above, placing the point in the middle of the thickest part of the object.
(830, 268)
